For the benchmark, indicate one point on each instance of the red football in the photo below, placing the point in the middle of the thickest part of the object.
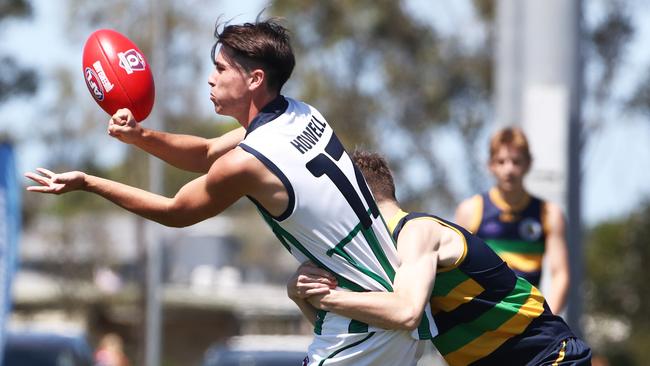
(117, 74)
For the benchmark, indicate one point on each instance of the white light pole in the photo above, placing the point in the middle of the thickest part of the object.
(153, 238)
(538, 86)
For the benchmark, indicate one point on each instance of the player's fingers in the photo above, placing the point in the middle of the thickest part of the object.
(313, 285)
(307, 290)
(323, 280)
(319, 272)
(113, 130)
(317, 291)
(309, 278)
(121, 117)
(41, 189)
(126, 114)
(116, 120)
(45, 172)
(37, 178)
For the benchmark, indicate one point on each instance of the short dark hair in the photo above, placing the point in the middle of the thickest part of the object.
(262, 44)
(375, 169)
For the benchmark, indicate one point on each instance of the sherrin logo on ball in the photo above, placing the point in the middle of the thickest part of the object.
(116, 73)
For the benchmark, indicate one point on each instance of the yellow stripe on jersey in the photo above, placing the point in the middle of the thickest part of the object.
(392, 223)
(460, 295)
(491, 340)
(523, 262)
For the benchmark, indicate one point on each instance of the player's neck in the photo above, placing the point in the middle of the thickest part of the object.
(388, 208)
(258, 102)
(513, 197)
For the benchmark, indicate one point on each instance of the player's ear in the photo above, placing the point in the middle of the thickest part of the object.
(256, 78)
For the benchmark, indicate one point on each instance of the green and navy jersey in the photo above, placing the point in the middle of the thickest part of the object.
(331, 217)
(516, 234)
(485, 314)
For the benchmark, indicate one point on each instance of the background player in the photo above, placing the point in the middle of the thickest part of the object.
(292, 166)
(521, 228)
(486, 315)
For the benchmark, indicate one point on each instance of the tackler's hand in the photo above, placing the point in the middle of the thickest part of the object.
(310, 280)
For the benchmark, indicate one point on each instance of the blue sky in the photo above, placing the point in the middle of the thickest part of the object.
(617, 154)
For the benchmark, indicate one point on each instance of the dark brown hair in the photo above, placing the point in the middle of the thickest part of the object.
(377, 173)
(262, 44)
(510, 136)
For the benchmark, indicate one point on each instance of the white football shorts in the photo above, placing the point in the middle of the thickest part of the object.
(363, 349)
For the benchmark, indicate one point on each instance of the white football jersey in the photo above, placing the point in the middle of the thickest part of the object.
(332, 218)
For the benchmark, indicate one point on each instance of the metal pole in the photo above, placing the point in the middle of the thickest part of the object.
(539, 42)
(574, 199)
(154, 255)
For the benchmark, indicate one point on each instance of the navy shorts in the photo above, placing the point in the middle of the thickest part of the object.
(571, 351)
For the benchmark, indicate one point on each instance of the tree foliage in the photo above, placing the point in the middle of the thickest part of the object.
(388, 81)
(617, 254)
(14, 78)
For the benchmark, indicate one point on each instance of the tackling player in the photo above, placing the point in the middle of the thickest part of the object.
(485, 314)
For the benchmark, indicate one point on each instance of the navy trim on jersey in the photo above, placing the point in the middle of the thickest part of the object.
(270, 112)
(278, 173)
(534, 277)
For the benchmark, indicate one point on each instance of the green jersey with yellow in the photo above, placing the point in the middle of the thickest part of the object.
(517, 233)
(485, 314)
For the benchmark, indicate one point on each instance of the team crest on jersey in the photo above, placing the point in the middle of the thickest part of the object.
(92, 81)
(131, 61)
(530, 229)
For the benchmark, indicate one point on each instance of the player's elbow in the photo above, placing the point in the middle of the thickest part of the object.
(173, 221)
(179, 221)
(175, 216)
(409, 318)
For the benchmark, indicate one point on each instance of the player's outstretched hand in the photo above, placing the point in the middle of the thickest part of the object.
(310, 280)
(51, 182)
(124, 127)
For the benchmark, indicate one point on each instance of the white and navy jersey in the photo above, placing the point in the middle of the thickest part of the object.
(331, 218)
